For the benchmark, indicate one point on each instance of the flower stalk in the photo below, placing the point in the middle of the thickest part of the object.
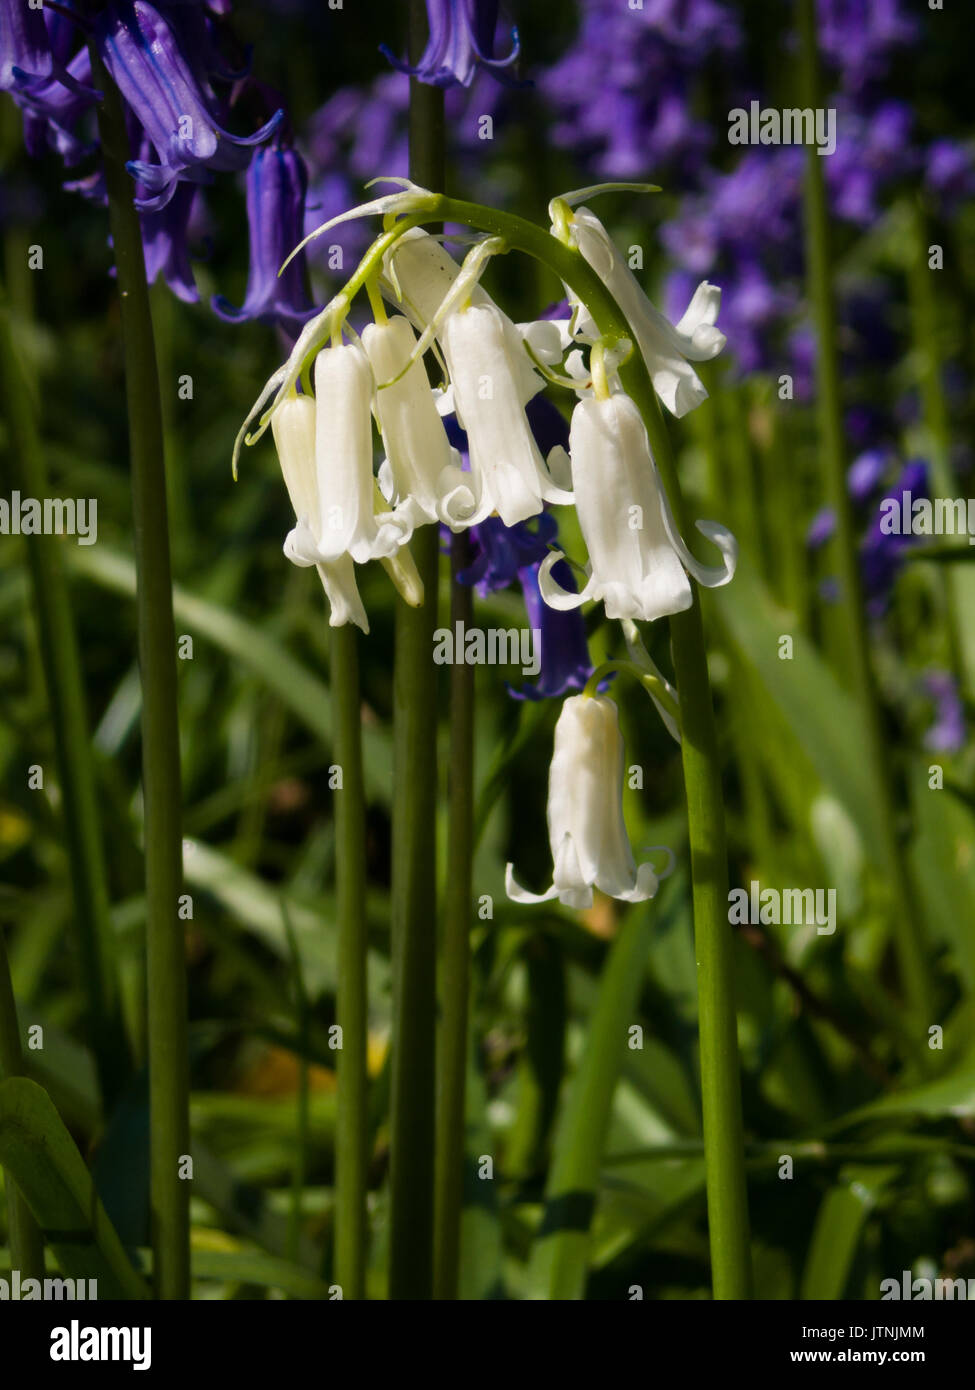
(413, 924)
(452, 1046)
(166, 966)
(352, 1120)
(720, 1079)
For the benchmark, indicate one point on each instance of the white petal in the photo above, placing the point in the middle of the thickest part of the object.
(506, 465)
(563, 600)
(338, 580)
(518, 894)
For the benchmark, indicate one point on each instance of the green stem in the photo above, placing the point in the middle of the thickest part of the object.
(560, 1254)
(352, 1118)
(26, 1245)
(413, 926)
(850, 611)
(76, 768)
(165, 951)
(455, 972)
(720, 1081)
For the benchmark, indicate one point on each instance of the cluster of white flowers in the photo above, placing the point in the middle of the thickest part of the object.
(638, 564)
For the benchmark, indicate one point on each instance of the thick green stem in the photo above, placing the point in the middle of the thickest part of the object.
(352, 1120)
(66, 695)
(414, 925)
(166, 962)
(720, 1081)
(455, 972)
(850, 610)
(26, 1245)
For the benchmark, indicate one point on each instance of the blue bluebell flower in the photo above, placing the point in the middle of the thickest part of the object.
(276, 186)
(946, 734)
(563, 649)
(139, 48)
(461, 41)
(881, 554)
(165, 241)
(25, 48)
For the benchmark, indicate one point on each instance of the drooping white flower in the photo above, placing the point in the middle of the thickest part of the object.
(343, 519)
(668, 349)
(587, 833)
(508, 472)
(420, 274)
(293, 427)
(638, 563)
(422, 470)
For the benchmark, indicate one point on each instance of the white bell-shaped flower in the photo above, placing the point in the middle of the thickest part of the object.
(420, 273)
(668, 349)
(587, 833)
(638, 563)
(422, 475)
(293, 427)
(343, 520)
(508, 472)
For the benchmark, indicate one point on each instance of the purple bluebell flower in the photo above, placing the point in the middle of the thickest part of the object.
(881, 554)
(165, 241)
(821, 529)
(499, 552)
(950, 173)
(872, 150)
(857, 37)
(142, 54)
(52, 110)
(276, 186)
(867, 472)
(25, 48)
(947, 732)
(563, 649)
(641, 62)
(461, 41)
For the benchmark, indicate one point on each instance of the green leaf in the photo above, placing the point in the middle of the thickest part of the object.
(836, 1234)
(41, 1157)
(308, 697)
(561, 1252)
(826, 721)
(949, 1095)
(264, 1271)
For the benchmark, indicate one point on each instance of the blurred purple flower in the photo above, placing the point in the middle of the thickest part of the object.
(821, 528)
(640, 62)
(276, 185)
(947, 733)
(857, 37)
(950, 173)
(867, 472)
(881, 554)
(461, 41)
(872, 150)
